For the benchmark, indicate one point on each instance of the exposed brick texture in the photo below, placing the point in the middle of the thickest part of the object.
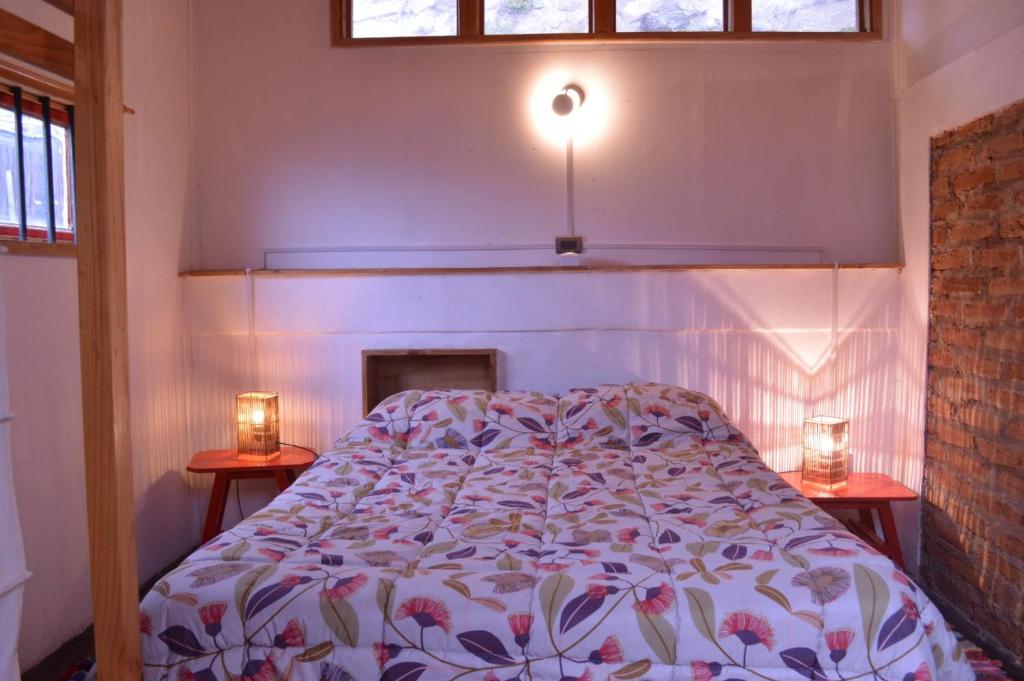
(972, 534)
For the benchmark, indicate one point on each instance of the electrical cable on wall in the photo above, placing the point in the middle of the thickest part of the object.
(834, 350)
(565, 105)
(570, 208)
(251, 313)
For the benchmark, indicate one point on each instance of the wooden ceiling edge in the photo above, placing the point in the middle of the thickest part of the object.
(540, 269)
(40, 83)
(32, 44)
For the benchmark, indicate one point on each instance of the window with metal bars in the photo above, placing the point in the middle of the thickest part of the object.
(36, 168)
(397, 22)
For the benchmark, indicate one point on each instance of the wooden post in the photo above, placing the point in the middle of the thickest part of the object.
(102, 309)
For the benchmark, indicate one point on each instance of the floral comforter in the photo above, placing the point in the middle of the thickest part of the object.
(619, 532)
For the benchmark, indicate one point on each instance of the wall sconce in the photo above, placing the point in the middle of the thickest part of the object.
(256, 421)
(826, 451)
(563, 105)
(568, 100)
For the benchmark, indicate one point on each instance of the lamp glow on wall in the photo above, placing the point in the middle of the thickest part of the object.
(257, 426)
(561, 107)
(826, 451)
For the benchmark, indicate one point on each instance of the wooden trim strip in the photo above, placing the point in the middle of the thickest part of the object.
(16, 74)
(740, 16)
(612, 38)
(538, 269)
(36, 46)
(341, 20)
(103, 325)
(602, 17)
(875, 18)
(471, 18)
(61, 250)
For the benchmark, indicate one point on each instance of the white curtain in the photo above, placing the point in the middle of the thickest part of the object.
(12, 558)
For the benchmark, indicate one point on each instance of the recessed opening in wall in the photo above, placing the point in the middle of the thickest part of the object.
(386, 372)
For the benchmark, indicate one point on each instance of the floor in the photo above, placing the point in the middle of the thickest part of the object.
(53, 667)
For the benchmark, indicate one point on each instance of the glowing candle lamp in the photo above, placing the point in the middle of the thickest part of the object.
(257, 426)
(826, 451)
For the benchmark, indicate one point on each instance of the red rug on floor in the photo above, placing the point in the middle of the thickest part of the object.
(79, 670)
(985, 668)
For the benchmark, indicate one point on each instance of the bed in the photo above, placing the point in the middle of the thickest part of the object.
(616, 532)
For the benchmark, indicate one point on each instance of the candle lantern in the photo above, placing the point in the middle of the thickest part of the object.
(826, 451)
(257, 426)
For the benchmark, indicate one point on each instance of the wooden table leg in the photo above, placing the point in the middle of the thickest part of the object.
(282, 480)
(218, 502)
(890, 538)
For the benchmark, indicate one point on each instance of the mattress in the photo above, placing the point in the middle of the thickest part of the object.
(616, 532)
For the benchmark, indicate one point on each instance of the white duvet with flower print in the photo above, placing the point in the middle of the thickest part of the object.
(617, 532)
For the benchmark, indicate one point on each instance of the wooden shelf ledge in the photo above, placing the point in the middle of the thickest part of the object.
(538, 269)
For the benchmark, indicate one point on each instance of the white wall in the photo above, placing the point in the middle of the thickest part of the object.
(157, 210)
(43, 353)
(758, 340)
(41, 317)
(13, 571)
(956, 60)
(300, 145)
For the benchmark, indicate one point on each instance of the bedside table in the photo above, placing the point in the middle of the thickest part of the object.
(226, 466)
(866, 493)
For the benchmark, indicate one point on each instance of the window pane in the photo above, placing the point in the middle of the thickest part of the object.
(35, 175)
(36, 189)
(403, 18)
(60, 143)
(634, 16)
(8, 169)
(805, 15)
(504, 17)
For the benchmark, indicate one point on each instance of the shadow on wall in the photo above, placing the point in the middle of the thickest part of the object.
(151, 511)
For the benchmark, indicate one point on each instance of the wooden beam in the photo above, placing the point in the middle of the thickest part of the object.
(25, 41)
(63, 5)
(103, 324)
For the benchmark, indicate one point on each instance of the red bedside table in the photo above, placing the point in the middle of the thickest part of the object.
(866, 493)
(226, 466)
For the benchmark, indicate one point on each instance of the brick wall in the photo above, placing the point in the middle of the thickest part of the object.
(973, 513)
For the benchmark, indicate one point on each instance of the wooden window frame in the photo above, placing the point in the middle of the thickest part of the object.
(37, 239)
(737, 26)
